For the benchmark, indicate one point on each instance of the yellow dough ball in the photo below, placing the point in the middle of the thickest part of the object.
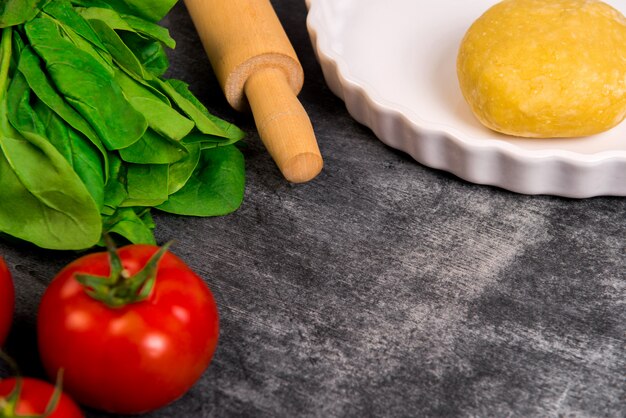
(546, 68)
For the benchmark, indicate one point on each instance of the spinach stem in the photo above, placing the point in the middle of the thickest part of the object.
(5, 59)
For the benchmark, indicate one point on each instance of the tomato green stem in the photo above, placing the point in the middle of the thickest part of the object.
(8, 405)
(115, 263)
(56, 395)
(120, 288)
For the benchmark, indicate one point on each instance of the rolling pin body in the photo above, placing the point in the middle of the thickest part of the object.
(257, 67)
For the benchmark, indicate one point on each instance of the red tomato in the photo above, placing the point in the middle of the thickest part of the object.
(34, 397)
(137, 357)
(7, 301)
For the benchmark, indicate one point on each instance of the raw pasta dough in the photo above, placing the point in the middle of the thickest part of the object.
(546, 68)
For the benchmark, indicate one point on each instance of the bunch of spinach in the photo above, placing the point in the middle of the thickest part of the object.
(93, 136)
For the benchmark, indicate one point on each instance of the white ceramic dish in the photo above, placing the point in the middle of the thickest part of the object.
(393, 64)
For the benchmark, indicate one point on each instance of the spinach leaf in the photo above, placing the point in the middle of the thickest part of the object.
(54, 181)
(91, 3)
(91, 136)
(161, 117)
(150, 53)
(20, 112)
(129, 23)
(204, 123)
(215, 188)
(150, 30)
(208, 141)
(53, 210)
(15, 12)
(180, 171)
(64, 13)
(86, 85)
(126, 60)
(123, 56)
(76, 149)
(226, 129)
(149, 50)
(152, 10)
(115, 189)
(153, 148)
(78, 31)
(134, 224)
(146, 184)
(29, 65)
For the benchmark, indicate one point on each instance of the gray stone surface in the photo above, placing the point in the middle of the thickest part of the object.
(383, 287)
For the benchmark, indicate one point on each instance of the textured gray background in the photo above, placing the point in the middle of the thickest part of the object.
(385, 288)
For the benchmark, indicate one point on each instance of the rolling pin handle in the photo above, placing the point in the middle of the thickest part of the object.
(283, 125)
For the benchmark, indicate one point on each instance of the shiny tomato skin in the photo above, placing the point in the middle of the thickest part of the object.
(136, 358)
(7, 301)
(34, 397)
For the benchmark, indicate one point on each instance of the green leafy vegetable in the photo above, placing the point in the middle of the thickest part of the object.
(115, 189)
(76, 149)
(225, 130)
(129, 23)
(15, 12)
(153, 148)
(43, 199)
(216, 183)
(70, 19)
(86, 85)
(29, 66)
(181, 171)
(152, 10)
(127, 222)
(146, 185)
(161, 117)
(92, 136)
(151, 53)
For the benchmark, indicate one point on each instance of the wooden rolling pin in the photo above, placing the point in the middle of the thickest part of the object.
(257, 68)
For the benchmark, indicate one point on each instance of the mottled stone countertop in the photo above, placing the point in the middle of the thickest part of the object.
(383, 287)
